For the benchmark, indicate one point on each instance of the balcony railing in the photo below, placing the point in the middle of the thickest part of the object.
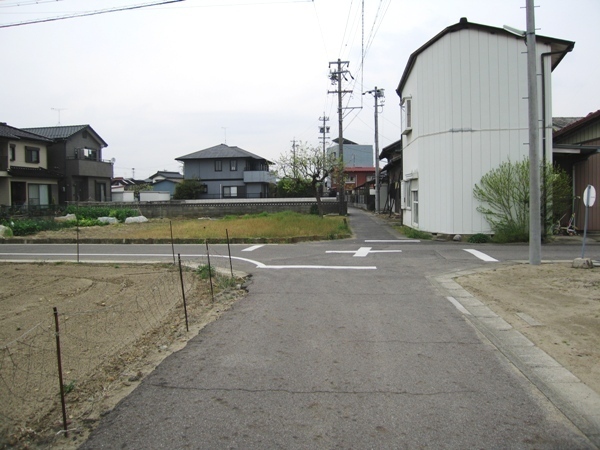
(256, 176)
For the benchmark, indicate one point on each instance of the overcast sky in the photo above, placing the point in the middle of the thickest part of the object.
(164, 81)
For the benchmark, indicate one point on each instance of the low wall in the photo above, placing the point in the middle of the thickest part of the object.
(220, 208)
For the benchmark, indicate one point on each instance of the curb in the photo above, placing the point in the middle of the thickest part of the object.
(579, 403)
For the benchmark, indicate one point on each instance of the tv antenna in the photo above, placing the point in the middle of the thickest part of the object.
(58, 110)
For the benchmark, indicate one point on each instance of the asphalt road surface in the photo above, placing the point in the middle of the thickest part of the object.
(337, 345)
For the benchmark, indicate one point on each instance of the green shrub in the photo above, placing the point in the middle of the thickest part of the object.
(26, 227)
(510, 233)
(205, 271)
(93, 212)
(479, 238)
(412, 233)
(314, 209)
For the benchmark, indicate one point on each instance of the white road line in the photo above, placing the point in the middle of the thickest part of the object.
(363, 251)
(458, 306)
(393, 241)
(480, 255)
(258, 264)
(254, 247)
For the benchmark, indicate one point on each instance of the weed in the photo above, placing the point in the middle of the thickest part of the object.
(479, 238)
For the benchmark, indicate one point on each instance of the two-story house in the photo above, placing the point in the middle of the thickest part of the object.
(228, 172)
(76, 153)
(24, 176)
(464, 112)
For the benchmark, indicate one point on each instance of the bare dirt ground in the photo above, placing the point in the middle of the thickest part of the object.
(563, 302)
(117, 322)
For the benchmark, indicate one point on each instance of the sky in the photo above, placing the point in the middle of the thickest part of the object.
(160, 82)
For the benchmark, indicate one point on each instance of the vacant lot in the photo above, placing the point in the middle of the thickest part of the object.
(116, 323)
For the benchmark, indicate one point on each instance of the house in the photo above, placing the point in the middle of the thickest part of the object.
(576, 149)
(355, 155)
(165, 181)
(24, 176)
(392, 176)
(464, 112)
(228, 172)
(76, 153)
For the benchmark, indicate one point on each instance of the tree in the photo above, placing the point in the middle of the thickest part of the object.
(189, 189)
(306, 165)
(504, 196)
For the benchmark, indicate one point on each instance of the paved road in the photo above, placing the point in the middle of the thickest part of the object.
(354, 348)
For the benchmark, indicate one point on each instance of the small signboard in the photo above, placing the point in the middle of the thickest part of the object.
(589, 195)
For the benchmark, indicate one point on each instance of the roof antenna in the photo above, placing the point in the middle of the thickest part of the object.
(225, 133)
(58, 110)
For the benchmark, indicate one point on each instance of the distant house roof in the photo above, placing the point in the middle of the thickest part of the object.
(560, 46)
(359, 169)
(59, 133)
(6, 131)
(576, 125)
(221, 151)
(346, 141)
(168, 175)
(32, 172)
(561, 122)
(120, 181)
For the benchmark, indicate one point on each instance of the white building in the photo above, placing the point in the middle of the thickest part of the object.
(464, 111)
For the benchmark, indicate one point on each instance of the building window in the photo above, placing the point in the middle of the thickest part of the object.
(415, 207)
(100, 192)
(218, 165)
(407, 117)
(89, 153)
(13, 152)
(39, 194)
(230, 191)
(32, 155)
(233, 165)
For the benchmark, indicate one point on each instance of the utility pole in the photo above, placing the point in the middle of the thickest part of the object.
(535, 235)
(324, 129)
(294, 158)
(377, 94)
(336, 79)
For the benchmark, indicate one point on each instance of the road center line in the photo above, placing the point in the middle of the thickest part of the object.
(393, 241)
(480, 255)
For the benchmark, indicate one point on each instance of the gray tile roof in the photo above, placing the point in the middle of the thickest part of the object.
(63, 132)
(6, 131)
(221, 151)
(32, 172)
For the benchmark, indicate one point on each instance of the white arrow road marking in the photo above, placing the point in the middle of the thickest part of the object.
(254, 247)
(481, 255)
(363, 251)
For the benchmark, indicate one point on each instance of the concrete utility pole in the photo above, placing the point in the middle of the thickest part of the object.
(535, 235)
(324, 129)
(377, 94)
(336, 78)
(294, 158)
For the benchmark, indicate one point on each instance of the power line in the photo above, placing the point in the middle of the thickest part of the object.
(90, 13)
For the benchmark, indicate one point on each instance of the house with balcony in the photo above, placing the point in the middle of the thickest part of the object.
(75, 152)
(25, 180)
(228, 172)
(464, 112)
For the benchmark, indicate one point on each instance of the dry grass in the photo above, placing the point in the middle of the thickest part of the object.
(285, 226)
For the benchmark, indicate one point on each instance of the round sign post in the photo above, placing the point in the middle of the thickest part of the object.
(589, 198)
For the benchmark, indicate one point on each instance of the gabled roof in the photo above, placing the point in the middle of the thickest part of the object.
(561, 122)
(60, 133)
(6, 131)
(166, 174)
(591, 117)
(221, 151)
(560, 46)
